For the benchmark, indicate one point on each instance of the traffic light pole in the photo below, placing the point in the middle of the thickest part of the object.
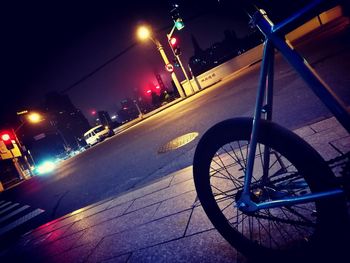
(184, 71)
(138, 109)
(178, 58)
(173, 76)
(23, 151)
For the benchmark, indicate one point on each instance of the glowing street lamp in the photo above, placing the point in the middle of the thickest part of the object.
(144, 33)
(34, 117)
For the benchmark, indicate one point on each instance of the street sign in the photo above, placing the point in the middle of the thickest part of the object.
(39, 136)
(169, 67)
(22, 112)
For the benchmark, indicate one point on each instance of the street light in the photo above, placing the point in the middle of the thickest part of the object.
(31, 117)
(144, 33)
(34, 117)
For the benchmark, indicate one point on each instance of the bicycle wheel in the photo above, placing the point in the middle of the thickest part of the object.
(295, 169)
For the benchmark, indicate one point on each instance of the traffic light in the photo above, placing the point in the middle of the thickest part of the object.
(175, 46)
(7, 138)
(173, 41)
(179, 24)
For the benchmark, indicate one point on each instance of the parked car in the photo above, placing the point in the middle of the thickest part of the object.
(97, 134)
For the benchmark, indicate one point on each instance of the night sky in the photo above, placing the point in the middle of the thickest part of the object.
(76, 47)
(51, 45)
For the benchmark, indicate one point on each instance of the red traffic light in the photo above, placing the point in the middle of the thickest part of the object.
(173, 41)
(7, 138)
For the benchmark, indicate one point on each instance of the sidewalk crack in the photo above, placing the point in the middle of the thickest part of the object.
(54, 210)
(188, 222)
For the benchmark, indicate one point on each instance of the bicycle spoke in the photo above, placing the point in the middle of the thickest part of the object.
(274, 218)
(243, 166)
(281, 229)
(271, 238)
(222, 198)
(223, 167)
(236, 223)
(234, 180)
(296, 213)
(300, 229)
(261, 156)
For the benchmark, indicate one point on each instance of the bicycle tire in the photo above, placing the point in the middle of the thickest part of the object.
(311, 170)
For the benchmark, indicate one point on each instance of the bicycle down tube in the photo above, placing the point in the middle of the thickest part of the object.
(273, 40)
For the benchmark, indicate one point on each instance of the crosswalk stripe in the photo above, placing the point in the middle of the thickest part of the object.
(21, 220)
(6, 204)
(1, 202)
(8, 208)
(2, 219)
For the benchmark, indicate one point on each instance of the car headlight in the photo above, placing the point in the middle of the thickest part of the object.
(46, 167)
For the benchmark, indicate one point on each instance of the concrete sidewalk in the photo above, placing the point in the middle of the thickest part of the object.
(161, 222)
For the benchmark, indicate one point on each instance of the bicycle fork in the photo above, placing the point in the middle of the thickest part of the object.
(263, 106)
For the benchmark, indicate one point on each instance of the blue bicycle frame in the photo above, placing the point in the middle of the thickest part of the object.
(274, 39)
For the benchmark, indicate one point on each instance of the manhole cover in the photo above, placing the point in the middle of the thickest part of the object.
(178, 142)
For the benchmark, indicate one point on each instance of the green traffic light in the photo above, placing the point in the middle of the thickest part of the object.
(179, 24)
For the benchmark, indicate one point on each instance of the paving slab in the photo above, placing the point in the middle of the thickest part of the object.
(153, 233)
(190, 249)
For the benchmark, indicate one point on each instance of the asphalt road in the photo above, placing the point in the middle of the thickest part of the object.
(131, 159)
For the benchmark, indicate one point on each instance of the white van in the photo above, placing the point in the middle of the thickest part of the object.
(97, 134)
